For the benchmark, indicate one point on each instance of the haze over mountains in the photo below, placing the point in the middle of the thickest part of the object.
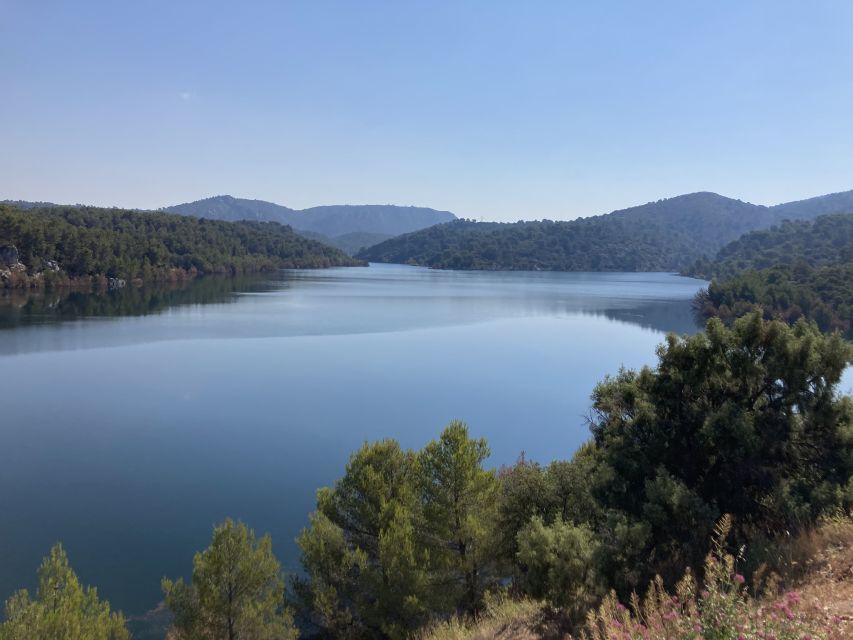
(667, 235)
(349, 227)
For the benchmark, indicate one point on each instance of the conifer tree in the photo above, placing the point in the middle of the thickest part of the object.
(236, 592)
(62, 608)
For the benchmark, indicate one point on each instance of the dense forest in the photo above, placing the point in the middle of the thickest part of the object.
(737, 435)
(826, 240)
(668, 235)
(797, 269)
(61, 245)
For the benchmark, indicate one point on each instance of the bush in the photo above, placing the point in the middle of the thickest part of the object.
(743, 420)
(559, 565)
(721, 610)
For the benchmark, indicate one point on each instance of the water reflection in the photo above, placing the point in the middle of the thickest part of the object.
(134, 420)
(381, 299)
(33, 307)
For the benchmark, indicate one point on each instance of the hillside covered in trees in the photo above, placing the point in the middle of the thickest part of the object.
(667, 235)
(826, 240)
(797, 269)
(61, 245)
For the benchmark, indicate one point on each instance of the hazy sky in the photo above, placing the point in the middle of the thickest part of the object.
(499, 110)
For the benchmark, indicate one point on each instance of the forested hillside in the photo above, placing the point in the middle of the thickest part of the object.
(59, 245)
(797, 269)
(826, 240)
(666, 235)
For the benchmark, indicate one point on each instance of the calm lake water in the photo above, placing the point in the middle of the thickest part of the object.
(133, 422)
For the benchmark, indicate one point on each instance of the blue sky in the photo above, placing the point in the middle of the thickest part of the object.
(494, 110)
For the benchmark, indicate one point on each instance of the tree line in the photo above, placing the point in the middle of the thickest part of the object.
(64, 245)
(742, 425)
(799, 269)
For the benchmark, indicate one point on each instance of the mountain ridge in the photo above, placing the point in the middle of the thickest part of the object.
(329, 220)
(665, 235)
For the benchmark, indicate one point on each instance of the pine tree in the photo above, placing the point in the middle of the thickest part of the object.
(460, 508)
(236, 593)
(63, 608)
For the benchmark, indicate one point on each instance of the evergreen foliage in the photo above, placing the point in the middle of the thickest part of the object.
(796, 270)
(88, 242)
(667, 235)
(402, 536)
(823, 295)
(62, 608)
(236, 592)
(826, 240)
(560, 492)
(366, 574)
(560, 564)
(743, 420)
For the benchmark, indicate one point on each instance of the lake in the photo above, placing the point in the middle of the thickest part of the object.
(134, 421)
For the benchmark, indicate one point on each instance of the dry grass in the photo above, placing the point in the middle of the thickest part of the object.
(826, 585)
(818, 565)
(503, 619)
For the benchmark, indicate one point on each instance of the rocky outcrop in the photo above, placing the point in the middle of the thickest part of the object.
(12, 272)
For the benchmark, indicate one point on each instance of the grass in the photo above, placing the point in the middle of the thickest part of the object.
(805, 585)
(504, 618)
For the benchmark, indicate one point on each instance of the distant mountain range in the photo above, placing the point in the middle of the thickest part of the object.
(348, 227)
(667, 235)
